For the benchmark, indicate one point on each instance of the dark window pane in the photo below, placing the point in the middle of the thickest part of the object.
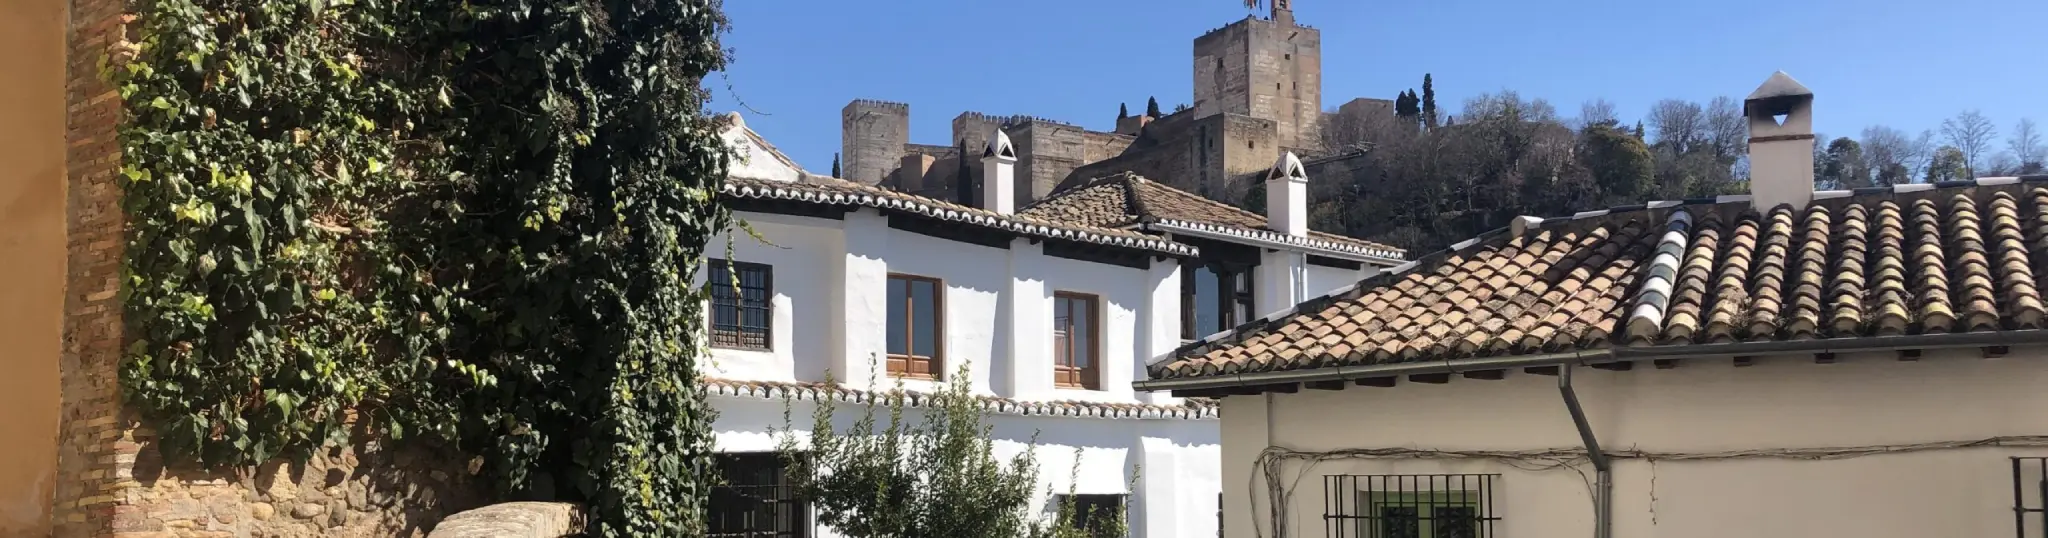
(899, 307)
(1454, 522)
(1207, 304)
(924, 329)
(1084, 332)
(1399, 522)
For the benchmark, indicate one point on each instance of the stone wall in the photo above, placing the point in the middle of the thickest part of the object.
(1046, 153)
(872, 138)
(358, 491)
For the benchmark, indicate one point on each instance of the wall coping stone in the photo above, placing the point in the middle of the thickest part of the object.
(514, 520)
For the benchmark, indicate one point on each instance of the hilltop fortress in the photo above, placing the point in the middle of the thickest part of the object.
(1258, 92)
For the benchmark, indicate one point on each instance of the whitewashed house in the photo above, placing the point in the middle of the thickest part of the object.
(1786, 363)
(1053, 309)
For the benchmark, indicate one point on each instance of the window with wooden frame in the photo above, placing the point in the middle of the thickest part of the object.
(1076, 341)
(741, 304)
(1213, 298)
(917, 327)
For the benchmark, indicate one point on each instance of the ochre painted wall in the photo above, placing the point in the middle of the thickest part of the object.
(31, 257)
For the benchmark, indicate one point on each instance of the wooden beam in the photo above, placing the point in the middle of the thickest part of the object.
(1541, 370)
(1376, 381)
(1909, 354)
(1433, 379)
(1993, 352)
(1325, 385)
(1489, 375)
(1283, 388)
(1665, 364)
(1617, 366)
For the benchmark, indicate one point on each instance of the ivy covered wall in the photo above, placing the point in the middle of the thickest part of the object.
(464, 223)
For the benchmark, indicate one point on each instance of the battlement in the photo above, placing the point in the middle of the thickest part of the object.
(874, 103)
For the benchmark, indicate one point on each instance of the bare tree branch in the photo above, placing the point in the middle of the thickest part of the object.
(1971, 133)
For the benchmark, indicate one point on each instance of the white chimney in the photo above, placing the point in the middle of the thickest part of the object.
(999, 174)
(1781, 142)
(1287, 196)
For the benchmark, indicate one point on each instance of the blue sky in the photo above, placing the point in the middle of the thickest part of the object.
(1907, 64)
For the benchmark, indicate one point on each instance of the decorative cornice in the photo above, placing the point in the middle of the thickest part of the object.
(1191, 409)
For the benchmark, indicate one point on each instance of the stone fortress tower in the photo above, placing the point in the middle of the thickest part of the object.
(1257, 93)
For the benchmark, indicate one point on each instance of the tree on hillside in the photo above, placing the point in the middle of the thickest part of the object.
(1407, 106)
(1886, 155)
(2027, 148)
(899, 476)
(1678, 124)
(1972, 134)
(1620, 164)
(1841, 165)
(1122, 111)
(1428, 102)
(1949, 164)
(1152, 107)
(1727, 131)
(1597, 112)
(1639, 131)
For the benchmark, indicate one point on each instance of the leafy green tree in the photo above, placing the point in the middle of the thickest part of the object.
(1620, 163)
(896, 476)
(1842, 165)
(1949, 164)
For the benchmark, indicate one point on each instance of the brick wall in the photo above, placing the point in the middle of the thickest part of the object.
(110, 481)
(90, 426)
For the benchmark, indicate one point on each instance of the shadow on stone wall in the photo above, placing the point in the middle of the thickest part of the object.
(365, 489)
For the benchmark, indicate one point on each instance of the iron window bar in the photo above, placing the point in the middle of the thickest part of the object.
(2021, 467)
(741, 310)
(1410, 506)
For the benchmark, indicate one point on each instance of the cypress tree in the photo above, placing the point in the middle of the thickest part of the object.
(1428, 101)
(1152, 107)
(835, 165)
(1122, 111)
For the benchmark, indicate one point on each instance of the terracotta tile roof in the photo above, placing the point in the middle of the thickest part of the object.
(1191, 408)
(1916, 259)
(831, 191)
(1128, 200)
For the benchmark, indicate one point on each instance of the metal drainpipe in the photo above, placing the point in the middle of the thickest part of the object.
(1603, 503)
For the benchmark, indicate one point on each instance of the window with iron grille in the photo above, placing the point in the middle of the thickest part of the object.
(1093, 512)
(740, 304)
(2030, 496)
(1410, 506)
(756, 500)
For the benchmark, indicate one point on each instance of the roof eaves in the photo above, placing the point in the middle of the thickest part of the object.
(1192, 409)
(1333, 248)
(916, 204)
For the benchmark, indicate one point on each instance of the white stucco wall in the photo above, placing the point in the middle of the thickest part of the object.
(1322, 278)
(1175, 459)
(830, 315)
(1703, 406)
